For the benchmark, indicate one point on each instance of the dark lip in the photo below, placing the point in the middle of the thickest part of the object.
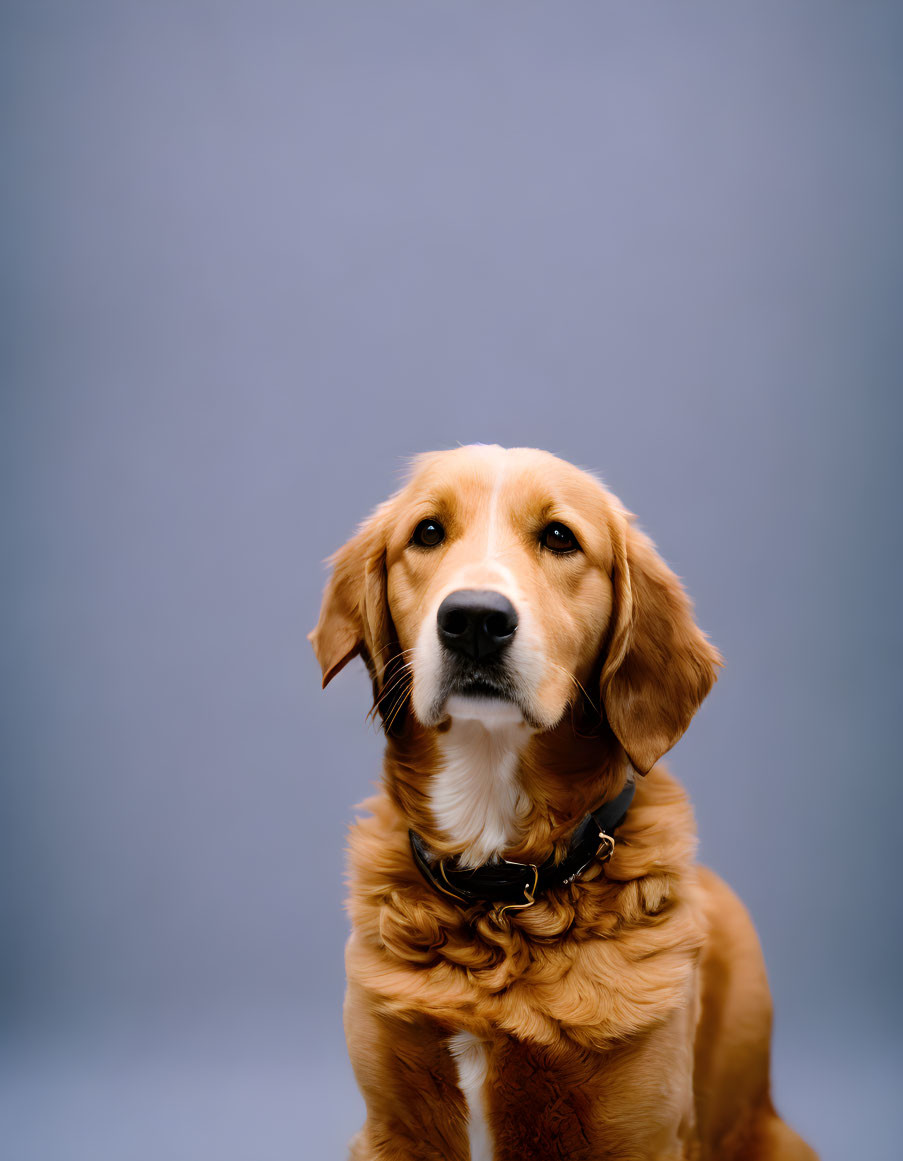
(487, 685)
(479, 688)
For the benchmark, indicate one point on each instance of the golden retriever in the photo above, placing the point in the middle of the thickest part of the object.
(528, 976)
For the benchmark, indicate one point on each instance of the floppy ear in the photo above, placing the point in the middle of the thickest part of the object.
(354, 616)
(659, 666)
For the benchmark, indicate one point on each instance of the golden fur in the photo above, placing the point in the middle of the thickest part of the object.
(626, 1015)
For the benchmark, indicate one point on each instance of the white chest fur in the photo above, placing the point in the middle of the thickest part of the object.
(475, 795)
(469, 1055)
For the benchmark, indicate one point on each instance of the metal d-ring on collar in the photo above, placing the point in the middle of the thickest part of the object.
(512, 886)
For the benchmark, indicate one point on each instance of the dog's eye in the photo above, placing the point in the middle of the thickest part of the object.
(558, 538)
(428, 534)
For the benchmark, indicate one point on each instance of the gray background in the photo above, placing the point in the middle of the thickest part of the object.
(255, 255)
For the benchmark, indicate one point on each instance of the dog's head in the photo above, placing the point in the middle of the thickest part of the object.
(506, 584)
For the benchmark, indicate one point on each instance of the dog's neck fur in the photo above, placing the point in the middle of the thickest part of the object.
(482, 789)
(475, 795)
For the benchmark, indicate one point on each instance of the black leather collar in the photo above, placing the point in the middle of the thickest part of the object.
(513, 886)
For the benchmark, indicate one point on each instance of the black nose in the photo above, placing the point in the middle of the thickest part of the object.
(476, 622)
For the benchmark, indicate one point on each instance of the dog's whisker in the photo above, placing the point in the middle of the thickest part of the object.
(377, 707)
(396, 679)
(388, 725)
(570, 676)
(390, 645)
(406, 674)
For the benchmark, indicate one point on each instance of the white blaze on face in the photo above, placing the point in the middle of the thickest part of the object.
(492, 533)
(475, 795)
(524, 656)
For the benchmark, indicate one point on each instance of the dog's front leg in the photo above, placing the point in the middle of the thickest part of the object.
(630, 1102)
(415, 1110)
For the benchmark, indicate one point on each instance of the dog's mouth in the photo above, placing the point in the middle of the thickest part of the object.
(484, 681)
(483, 690)
(485, 695)
(481, 687)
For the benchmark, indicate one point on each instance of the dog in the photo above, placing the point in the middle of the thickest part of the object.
(537, 969)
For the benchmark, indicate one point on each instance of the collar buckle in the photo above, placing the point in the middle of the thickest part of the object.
(606, 847)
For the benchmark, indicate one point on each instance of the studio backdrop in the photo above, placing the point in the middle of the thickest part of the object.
(255, 256)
